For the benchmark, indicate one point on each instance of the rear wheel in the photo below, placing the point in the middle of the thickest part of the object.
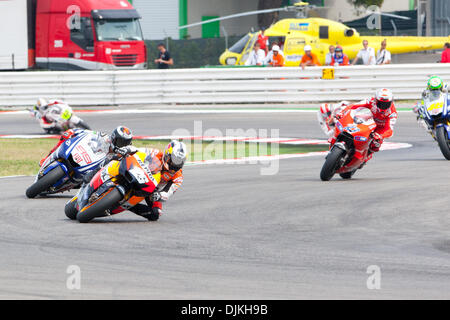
(45, 182)
(443, 141)
(83, 125)
(331, 164)
(97, 209)
(71, 208)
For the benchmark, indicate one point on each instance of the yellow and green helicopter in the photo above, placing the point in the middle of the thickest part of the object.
(319, 33)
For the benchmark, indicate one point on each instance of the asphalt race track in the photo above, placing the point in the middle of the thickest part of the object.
(231, 233)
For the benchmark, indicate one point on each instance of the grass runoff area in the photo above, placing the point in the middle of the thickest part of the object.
(22, 156)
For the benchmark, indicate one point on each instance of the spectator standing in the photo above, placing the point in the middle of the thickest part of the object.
(277, 58)
(263, 41)
(339, 58)
(309, 59)
(281, 44)
(164, 59)
(445, 58)
(329, 56)
(367, 54)
(383, 55)
(256, 57)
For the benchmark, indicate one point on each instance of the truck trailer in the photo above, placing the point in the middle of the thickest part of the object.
(70, 35)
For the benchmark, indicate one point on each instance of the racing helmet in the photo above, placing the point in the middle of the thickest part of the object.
(435, 83)
(325, 109)
(174, 155)
(41, 104)
(121, 137)
(384, 99)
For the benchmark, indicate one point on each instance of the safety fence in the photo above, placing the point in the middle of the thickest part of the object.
(216, 85)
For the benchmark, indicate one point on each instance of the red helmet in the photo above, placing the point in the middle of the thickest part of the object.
(384, 98)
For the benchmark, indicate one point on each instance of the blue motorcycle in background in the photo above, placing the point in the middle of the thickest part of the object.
(434, 111)
(64, 170)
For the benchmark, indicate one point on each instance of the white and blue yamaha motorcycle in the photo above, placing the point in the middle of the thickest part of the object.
(435, 114)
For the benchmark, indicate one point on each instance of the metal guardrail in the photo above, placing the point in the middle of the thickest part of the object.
(216, 85)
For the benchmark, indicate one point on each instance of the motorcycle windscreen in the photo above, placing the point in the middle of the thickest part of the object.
(362, 116)
(435, 103)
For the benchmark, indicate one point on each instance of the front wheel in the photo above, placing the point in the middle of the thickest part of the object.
(443, 141)
(331, 164)
(347, 175)
(97, 209)
(45, 182)
(71, 208)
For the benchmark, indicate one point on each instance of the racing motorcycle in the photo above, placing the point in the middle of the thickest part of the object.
(436, 115)
(74, 159)
(58, 118)
(353, 135)
(117, 187)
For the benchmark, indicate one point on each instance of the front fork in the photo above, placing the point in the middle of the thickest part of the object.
(340, 145)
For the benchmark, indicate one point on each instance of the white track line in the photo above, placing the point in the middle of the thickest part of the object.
(290, 141)
(250, 160)
(18, 176)
(185, 111)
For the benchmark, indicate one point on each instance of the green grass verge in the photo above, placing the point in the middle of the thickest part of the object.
(21, 156)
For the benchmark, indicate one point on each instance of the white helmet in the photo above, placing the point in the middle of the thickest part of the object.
(41, 104)
(384, 99)
(275, 48)
(307, 48)
(174, 155)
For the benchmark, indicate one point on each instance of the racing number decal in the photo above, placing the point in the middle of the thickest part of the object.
(437, 105)
(139, 175)
(82, 155)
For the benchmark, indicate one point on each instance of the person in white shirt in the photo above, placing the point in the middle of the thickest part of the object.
(329, 56)
(383, 55)
(269, 56)
(367, 54)
(256, 57)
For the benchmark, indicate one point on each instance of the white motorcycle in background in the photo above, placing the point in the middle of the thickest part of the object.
(58, 117)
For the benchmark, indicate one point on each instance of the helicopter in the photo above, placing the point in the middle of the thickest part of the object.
(319, 33)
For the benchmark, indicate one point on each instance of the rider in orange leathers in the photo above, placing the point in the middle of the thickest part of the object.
(384, 114)
(170, 162)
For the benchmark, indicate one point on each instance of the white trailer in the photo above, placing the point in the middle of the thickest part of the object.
(13, 35)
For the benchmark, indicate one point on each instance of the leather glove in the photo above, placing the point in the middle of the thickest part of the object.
(376, 136)
(35, 113)
(376, 142)
(124, 151)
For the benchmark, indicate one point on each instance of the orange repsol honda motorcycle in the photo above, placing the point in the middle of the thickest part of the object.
(117, 187)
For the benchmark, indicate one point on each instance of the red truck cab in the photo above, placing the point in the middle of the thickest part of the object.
(88, 35)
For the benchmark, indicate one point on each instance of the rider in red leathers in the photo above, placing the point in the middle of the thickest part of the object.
(385, 116)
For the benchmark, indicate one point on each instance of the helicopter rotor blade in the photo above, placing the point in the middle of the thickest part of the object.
(237, 15)
(391, 15)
